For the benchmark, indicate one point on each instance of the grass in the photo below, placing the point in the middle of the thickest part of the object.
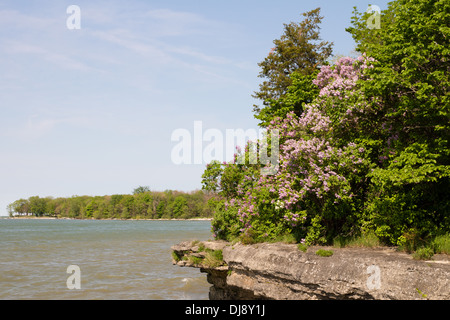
(213, 258)
(209, 258)
(195, 260)
(175, 256)
(302, 247)
(441, 244)
(438, 245)
(286, 238)
(201, 246)
(324, 253)
(368, 240)
(424, 253)
(418, 248)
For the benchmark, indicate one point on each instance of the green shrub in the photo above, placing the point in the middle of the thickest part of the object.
(441, 244)
(302, 247)
(195, 260)
(424, 253)
(175, 256)
(367, 240)
(324, 253)
(286, 238)
(213, 258)
(370, 152)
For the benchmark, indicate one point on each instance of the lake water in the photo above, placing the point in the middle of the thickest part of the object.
(116, 259)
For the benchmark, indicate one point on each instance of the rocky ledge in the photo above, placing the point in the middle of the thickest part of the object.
(281, 271)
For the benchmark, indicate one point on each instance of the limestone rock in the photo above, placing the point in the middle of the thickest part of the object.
(281, 271)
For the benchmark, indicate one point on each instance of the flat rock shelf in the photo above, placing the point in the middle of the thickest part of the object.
(281, 271)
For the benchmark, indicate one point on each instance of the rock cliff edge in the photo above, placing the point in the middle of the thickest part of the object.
(281, 271)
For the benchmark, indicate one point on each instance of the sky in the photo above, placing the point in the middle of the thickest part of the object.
(91, 110)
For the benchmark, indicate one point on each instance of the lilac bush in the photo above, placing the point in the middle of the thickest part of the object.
(314, 195)
(368, 149)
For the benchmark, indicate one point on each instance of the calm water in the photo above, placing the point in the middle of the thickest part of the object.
(117, 259)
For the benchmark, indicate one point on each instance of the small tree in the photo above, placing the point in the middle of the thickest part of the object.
(298, 50)
(141, 189)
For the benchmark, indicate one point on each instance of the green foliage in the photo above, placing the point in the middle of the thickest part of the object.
(441, 244)
(38, 205)
(140, 205)
(141, 189)
(424, 249)
(423, 254)
(21, 207)
(175, 256)
(324, 253)
(179, 206)
(364, 147)
(203, 258)
(196, 261)
(288, 68)
(302, 247)
(213, 258)
(409, 101)
(211, 176)
(225, 225)
(300, 92)
(367, 240)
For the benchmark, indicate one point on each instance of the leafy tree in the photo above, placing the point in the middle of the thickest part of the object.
(76, 207)
(369, 154)
(161, 208)
(91, 206)
(298, 50)
(10, 208)
(179, 206)
(211, 176)
(21, 206)
(141, 189)
(302, 91)
(50, 208)
(143, 204)
(408, 115)
(167, 204)
(127, 206)
(38, 206)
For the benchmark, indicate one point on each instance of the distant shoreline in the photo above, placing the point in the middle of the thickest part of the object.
(64, 218)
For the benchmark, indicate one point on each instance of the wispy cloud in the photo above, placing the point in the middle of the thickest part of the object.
(162, 38)
(131, 42)
(41, 37)
(35, 127)
(60, 59)
(165, 35)
(14, 19)
(168, 22)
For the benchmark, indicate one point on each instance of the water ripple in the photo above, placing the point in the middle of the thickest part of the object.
(117, 259)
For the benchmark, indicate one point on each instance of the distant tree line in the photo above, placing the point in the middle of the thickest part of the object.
(142, 204)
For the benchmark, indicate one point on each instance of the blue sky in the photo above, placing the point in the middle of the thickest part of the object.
(91, 111)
